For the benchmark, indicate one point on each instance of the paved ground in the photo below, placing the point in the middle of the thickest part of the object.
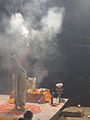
(47, 111)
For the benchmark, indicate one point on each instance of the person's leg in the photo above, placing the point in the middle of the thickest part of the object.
(59, 99)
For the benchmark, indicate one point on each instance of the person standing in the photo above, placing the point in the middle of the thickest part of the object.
(19, 83)
(59, 90)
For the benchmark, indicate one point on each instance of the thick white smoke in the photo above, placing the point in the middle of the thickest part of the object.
(18, 25)
(18, 32)
(30, 28)
(52, 22)
(23, 31)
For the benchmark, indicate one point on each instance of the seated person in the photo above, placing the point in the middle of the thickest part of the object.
(28, 115)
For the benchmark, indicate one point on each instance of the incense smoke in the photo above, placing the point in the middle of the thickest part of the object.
(31, 29)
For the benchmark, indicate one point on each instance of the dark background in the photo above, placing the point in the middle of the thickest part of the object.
(75, 43)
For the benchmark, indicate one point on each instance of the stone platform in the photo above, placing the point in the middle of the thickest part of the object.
(73, 112)
(47, 111)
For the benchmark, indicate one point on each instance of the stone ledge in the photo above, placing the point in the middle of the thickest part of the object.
(73, 112)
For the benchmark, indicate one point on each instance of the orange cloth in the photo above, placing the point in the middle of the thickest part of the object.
(35, 95)
(4, 118)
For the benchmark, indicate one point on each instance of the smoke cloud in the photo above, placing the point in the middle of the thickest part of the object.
(18, 25)
(31, 29)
